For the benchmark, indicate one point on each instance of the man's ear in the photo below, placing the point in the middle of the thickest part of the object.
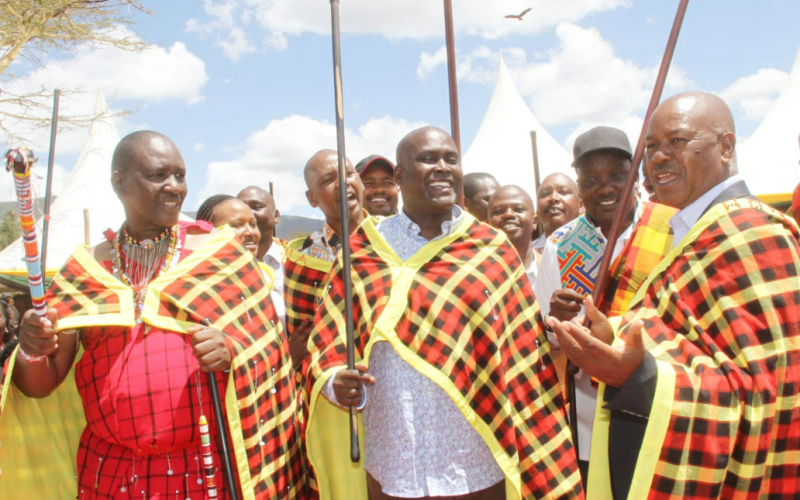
(116, 182)
(312, 200)
(277, 216)
(728, 142)
(398, 175)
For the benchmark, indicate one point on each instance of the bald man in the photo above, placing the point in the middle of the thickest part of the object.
(322, 180)
(701, 387)
(267, 214)
(478, 190)
(141, 377)
(460, 404)
(511, 211)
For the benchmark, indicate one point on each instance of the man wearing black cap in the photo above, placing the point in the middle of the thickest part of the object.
(572, 255)
(380, 189)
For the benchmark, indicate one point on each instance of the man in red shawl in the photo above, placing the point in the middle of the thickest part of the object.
(700, 385)
(140, 362)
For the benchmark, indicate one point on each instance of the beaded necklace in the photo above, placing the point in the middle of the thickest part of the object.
(151, 258)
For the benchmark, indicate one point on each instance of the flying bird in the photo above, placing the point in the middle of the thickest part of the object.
(519, 16)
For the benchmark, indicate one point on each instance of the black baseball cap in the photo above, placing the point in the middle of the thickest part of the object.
(369, 161)
(600, 138)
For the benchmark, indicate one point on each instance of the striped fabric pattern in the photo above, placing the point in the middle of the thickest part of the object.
(649, 243)
(466, 318)
(305, 281)
(722, 320)
(221, 282)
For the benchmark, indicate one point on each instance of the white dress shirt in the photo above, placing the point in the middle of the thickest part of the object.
(416, 441)
(273, 259)
(547, 282)
(683, 221)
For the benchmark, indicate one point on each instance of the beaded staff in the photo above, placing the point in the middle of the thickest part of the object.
(20, 162)
(208, 458)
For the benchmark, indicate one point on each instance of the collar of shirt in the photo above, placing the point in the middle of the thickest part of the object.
(538, 243)
(688, 216)
(273, 259)
(624, 235)
(412, 229)
(331, 238)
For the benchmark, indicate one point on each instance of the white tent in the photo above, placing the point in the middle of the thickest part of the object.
(87, 187)
(502, 146)
(768, 160)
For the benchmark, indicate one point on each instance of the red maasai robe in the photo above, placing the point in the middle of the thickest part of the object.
(461, 312)
(139, 391)
(721, 319)
(138, 383)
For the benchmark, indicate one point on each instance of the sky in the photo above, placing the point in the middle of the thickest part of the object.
(245, 87)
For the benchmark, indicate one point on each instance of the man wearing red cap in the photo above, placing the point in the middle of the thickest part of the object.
(380, 189)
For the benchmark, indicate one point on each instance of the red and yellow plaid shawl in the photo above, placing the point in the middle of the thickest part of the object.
(210, 282)
(722, 320)
(461, 312)
(305, 279)
(650, 242)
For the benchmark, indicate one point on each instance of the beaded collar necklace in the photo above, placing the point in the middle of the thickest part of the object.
(138, 262)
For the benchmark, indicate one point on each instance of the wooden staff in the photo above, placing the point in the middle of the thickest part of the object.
(355, 453)
(222, 429)
(274, 228)
(87, 233)
(451, 72)
(48, 190)
(627, 193)
(627, 198)
(536, 180)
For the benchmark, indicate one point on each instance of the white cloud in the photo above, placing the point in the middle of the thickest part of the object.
(584, 81)
(155, 74)
(429, 62)
(198, 146)
(279, 151)
(478, 66)
(232, 39)
(275, 20)
(754, 94)
(580, 82)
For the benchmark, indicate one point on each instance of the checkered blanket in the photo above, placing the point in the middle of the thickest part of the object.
(650, 242)
(722, 320)
(221, 282)
(460, 312)
(305, 280)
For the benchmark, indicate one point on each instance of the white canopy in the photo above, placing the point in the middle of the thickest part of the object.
(88, 186)
(502, 146)
(768, 160)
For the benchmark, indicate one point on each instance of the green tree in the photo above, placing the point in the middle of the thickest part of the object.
(31, 28)
(9, 229)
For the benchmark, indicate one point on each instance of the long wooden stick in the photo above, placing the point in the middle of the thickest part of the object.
(455, 128)
(274, 228)
(536, 180)
(627, 193)
(355, 452)
(222, 429)
(627, 198)
(48, 190)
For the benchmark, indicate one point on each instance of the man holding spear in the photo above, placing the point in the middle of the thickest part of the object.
(702, 374)
(463, 400)
(138, 318)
